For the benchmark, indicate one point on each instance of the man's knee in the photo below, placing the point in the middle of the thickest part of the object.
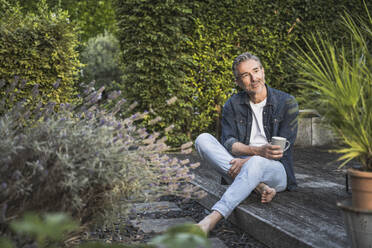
(203, 139)
(257, 160)
(254, 165)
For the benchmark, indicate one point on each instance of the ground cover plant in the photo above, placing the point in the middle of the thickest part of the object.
(82, 160)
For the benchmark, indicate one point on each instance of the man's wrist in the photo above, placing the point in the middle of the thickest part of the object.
(256, 150)
(253, 150)
(239, 149)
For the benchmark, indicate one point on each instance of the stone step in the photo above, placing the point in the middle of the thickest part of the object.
(306, 217)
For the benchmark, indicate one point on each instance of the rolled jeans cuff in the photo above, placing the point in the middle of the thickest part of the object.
(223, 210)
(229, 143)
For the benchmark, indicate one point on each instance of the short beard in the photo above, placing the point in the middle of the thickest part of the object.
(250, 93)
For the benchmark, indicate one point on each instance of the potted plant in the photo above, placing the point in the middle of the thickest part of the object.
(338, 84)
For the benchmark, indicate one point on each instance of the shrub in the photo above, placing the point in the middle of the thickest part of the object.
(101, 59)
(83, 161)
(39, 48)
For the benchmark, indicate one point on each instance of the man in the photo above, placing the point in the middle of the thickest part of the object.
(246, 158)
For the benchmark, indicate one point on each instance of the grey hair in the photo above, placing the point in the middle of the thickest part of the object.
(241, 58)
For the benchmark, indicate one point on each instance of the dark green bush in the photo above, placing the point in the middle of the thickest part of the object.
(39, 48)
(101, 58)
(83, 161)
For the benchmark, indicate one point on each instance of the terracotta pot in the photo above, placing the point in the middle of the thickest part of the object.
(361, 185)
(358, 224)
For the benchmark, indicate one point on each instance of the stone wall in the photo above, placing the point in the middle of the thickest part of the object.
(312, 131)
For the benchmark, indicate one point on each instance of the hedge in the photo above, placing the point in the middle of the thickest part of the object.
(171, 48)
(92, 17)
(39, 49)
(152, 37)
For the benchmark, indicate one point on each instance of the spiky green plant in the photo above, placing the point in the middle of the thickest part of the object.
(338, 83)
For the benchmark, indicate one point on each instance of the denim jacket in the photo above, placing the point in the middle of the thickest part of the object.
(279, 119)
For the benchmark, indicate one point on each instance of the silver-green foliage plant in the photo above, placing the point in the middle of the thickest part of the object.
(101, 58)
(338, 83)
(83, 160)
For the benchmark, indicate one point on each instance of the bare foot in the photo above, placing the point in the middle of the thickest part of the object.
(205, 225)
(267, 193)
(209, 222)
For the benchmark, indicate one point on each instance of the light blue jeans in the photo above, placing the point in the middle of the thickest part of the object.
(256, 170)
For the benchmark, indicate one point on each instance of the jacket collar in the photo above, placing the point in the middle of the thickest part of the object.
(271, 97)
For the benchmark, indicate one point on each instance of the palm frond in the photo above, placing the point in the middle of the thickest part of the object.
(338, 84)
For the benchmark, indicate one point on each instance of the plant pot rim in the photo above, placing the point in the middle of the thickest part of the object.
(346, 205)
(361, 173)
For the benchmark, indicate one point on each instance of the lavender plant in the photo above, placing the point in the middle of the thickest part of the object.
(83, 160)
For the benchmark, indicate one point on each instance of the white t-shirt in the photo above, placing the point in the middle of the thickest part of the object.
(258, 137)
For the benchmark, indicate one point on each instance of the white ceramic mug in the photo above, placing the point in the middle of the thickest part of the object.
(280, 141)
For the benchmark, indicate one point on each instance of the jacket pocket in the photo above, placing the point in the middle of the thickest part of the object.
(242, 129)
(275, 125)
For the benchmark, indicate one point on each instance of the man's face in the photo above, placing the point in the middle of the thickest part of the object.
(251, 77)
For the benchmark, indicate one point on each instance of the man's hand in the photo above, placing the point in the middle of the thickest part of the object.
(236, 165)
(270, 152)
